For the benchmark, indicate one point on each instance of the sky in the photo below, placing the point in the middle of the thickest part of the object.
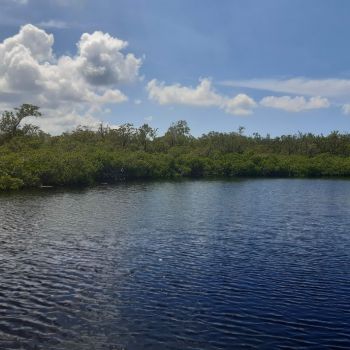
(272, 66)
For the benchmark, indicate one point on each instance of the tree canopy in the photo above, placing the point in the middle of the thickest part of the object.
(31, 158)
(11, 121)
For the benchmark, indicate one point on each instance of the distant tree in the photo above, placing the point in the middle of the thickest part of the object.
(10, 121)
(145, 134)
(82, 133)
(177, 133)
(241, 130)
(102, 130)
(123, 135)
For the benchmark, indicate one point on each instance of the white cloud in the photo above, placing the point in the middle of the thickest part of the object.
(203, 95)
(52, 23)
(31, 41)
(66, 85)
(346, 108)
(331, 88)
(102, 63)
(109, 96)
(295, 104)
(65, 119)
(18, 2)
(239, 105)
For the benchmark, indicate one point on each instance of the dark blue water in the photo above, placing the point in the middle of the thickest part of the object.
(249, 264)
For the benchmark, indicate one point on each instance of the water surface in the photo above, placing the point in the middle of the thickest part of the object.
(177, 265)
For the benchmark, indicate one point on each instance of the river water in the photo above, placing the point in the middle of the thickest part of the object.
(244, 264)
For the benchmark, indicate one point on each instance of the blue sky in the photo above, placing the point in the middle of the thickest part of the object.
(273, 66)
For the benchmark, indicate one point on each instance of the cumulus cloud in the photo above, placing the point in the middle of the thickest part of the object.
(295, 104)
(203, 95)
(31, 41)
(239, 105)
(102, 63)
(64, 119)
(30, 72)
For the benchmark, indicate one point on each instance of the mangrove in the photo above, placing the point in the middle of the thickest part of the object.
(30, 157)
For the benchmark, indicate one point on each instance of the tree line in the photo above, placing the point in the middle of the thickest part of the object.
(30, 157)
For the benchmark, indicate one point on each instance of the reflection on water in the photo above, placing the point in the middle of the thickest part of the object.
(186, 265)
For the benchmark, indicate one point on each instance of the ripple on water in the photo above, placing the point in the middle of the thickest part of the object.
(190, 265)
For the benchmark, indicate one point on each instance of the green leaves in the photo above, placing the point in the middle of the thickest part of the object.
(10, 122)
(85, 157)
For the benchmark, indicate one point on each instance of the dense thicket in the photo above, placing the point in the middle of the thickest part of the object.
(31, 158)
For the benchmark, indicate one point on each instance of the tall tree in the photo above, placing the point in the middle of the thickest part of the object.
(146, 134)
(10, 121)
(177, 133)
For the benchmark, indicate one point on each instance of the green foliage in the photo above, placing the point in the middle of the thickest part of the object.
(10, 183)
(30, 158)
(10, 122)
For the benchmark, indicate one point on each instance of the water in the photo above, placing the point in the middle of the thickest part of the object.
(189, 265)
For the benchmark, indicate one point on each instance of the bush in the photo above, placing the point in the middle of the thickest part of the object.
(10, 183)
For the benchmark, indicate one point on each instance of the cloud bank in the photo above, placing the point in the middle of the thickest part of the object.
(68, 88)
(298, 86)
(203, 95)
(334, 90)
(295, 104)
